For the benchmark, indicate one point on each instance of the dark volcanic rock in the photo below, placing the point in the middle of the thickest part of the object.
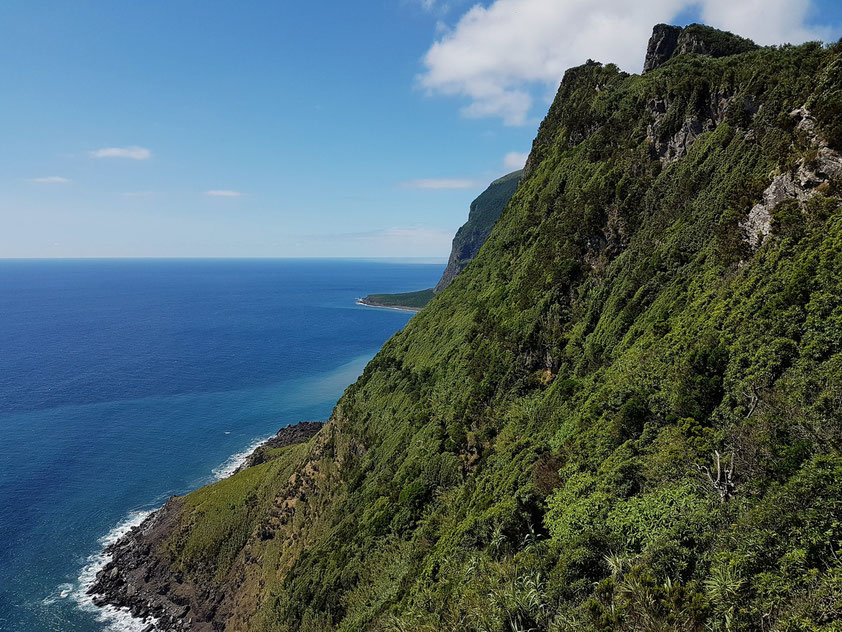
(136, 578)
(662, 45)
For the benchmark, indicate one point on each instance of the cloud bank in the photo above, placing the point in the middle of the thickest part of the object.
(499, 56)
(514, 160)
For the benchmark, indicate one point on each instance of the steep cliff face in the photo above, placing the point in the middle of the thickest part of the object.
(623, 415)
(485, 210)
(662, 45)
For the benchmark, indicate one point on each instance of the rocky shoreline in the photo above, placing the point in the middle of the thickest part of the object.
(136, 577)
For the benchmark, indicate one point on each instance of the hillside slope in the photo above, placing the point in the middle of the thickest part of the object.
(485, 211)
(537, 448)
(402, 300)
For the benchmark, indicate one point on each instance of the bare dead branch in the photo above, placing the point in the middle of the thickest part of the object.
(723, 484)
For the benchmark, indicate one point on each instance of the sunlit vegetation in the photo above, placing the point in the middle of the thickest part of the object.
(529, 453)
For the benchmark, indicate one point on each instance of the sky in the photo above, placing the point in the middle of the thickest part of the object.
(202, 128)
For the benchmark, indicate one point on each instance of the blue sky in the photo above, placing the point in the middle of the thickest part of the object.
(206, 128)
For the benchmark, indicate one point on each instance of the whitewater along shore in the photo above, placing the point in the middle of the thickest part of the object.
(371, 303)
(135, 581)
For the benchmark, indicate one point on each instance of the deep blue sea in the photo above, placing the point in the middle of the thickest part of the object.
(123, 382)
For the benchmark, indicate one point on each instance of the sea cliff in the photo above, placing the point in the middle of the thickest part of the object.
(484, 212)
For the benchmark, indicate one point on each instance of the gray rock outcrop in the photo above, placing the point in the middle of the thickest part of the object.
(662, 45)
(800, 185)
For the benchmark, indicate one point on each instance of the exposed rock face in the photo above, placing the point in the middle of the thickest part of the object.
(667, 41)
(669, 145)
(662, 45)
(800, 185)
(705, 118)
(758, 224)
(139, 578)
(472, 235)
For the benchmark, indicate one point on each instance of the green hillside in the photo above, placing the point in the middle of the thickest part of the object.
(484, 212)
(536, 449)
(406, 300)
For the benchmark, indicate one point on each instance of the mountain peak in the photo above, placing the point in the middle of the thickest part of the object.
(668, 40)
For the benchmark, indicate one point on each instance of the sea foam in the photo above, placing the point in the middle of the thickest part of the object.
(233, 462)
(120, 619)
(113, 619)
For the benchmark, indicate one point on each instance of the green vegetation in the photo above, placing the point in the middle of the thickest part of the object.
(485, 211)
(411, 300)
(713, 42)
(486, 208)
(526, 454)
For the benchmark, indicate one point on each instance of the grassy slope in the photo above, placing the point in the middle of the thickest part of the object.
(412, 300)
(523, 454)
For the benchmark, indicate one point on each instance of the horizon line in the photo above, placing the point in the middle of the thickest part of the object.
(432, 259)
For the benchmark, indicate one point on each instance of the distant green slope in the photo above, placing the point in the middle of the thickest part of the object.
(537, 448)
(406, 300)
(485, 211)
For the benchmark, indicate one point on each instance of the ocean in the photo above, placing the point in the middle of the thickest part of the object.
(123, 382)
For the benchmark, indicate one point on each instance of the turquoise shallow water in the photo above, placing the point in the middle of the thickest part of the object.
(124, 382)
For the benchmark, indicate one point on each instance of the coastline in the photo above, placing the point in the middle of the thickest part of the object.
(113, 618)
(365, 303)
(125, 586)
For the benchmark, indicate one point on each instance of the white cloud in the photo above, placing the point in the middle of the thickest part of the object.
(498, 56)
(514, 160)
(51, 180)
(223, 193)
(134, 153)
(439, 183)
(782, 21)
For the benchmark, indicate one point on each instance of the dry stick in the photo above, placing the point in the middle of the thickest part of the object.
(725, 487)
